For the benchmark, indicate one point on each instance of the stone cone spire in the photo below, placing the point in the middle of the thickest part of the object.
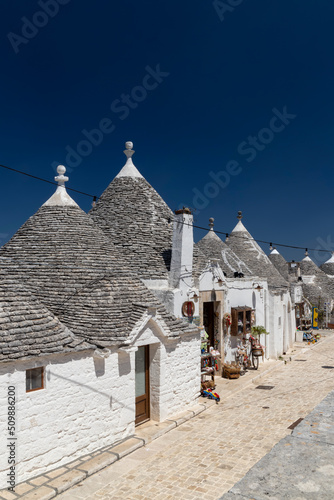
(135, 217)
(129, 170)
(280, 263)
(60, 198)
(328, 266)
(214, 248)
(250, 252)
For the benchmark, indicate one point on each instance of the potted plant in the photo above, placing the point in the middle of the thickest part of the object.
(257, 331)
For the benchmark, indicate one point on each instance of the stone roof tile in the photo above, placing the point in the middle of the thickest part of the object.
(248, 250)
(214, 248)
(28, 328)
(280, 263)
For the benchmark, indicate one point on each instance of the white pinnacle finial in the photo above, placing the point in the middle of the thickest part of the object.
(129, 151)
(211, 223)
(129, 170)
(60, 198)
(61, 178)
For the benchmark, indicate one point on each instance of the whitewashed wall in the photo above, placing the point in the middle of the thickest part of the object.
(282, 324)
(241, 293)
(89, 403)
(86, 404)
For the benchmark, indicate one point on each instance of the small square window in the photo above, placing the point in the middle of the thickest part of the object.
(34, 379)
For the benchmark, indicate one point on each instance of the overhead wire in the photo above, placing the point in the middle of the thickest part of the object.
(233, 235)
(45, 180)
(228, 235)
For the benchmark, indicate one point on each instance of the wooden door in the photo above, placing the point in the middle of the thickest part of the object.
(142, 381)
(208, 322)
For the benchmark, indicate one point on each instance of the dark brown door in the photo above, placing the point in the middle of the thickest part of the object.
(142, 381)
(208, 322)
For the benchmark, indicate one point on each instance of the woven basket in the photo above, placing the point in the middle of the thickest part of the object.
(231, 371)
(257, 352)
(208, 384)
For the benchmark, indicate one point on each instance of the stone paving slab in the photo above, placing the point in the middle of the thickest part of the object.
(95, 464)
(7, 495)
(69, 479)
(319, 424)
(300, 466)
(148, 432)
(42, 493)
(128, 446)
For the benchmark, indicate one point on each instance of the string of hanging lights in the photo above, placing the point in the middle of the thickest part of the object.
(227, 235)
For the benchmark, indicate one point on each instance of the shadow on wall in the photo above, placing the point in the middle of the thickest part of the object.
(124, 364)
(99, 365)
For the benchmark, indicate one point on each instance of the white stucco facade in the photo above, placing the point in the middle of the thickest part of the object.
(88, 400)
(242, 292)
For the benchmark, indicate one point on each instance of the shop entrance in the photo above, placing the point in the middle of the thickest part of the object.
(142, 382)
(209, 322)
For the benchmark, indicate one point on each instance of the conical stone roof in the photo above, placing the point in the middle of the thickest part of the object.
(309, 268)
(74, 269)
(214, 248)
(28, 328)
(135, 218)
(328, 266)
(243, 244)
(320, 288)
(280, 263)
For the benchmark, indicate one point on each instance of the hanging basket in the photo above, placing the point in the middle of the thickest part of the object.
(257, 352)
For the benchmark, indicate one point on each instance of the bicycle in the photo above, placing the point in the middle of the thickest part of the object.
(242, 357)
(257, 350)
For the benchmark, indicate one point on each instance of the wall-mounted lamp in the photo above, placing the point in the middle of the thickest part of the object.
(193, 295)
(257, 287)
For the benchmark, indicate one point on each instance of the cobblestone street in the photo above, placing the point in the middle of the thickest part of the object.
(206, 456)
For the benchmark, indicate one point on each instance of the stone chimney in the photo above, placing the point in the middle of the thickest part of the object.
(182, 250)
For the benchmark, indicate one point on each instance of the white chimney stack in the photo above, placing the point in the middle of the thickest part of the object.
(182, 250)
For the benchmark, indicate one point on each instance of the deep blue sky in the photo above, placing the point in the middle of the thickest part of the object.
(225, 78)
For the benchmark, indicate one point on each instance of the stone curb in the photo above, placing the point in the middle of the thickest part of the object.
(49, 485)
